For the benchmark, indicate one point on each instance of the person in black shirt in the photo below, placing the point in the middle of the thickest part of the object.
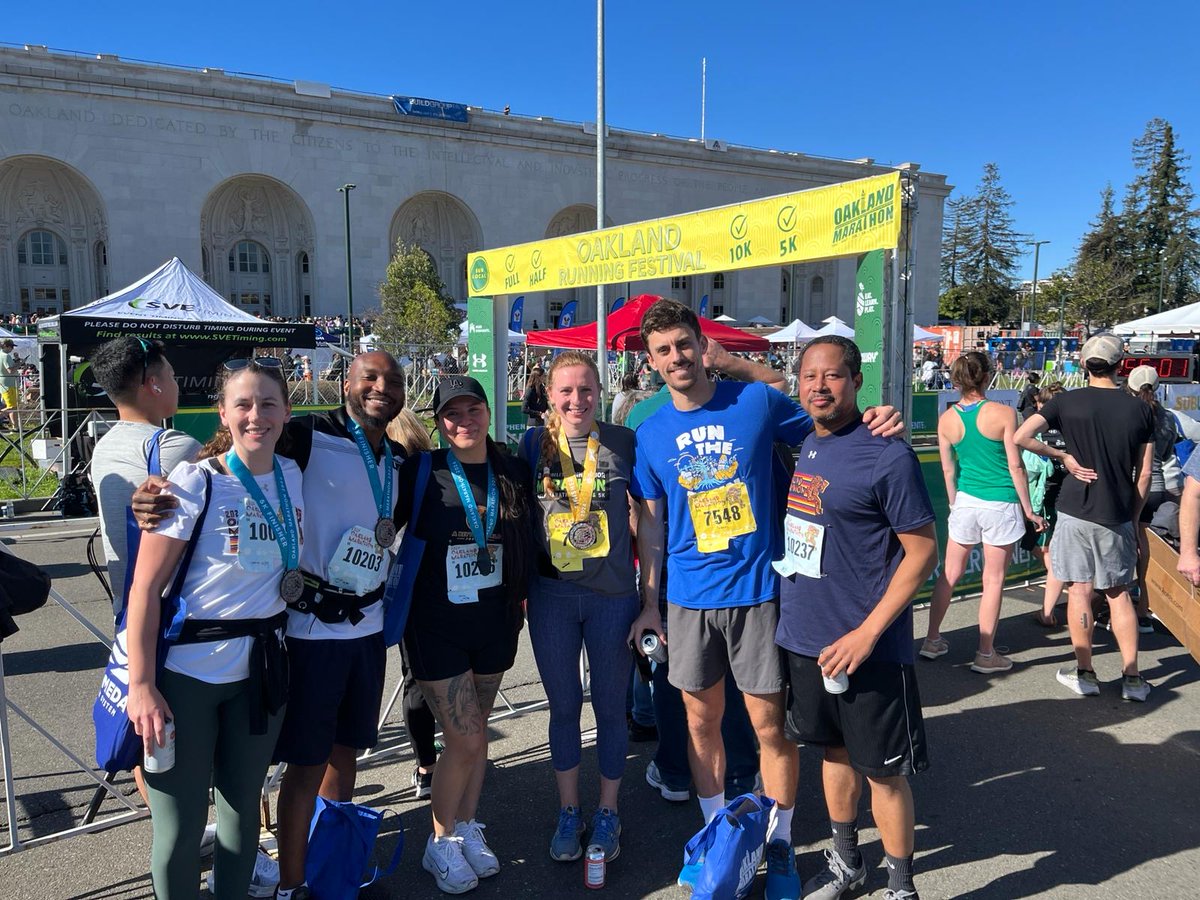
(1109, 435)
(461, 637)
(536, 402)
(1027, 404)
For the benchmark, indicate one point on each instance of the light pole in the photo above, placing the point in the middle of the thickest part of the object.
(601, 125)
(1062, 305)
(345, 190)
(1162, 274)
(1037, 248)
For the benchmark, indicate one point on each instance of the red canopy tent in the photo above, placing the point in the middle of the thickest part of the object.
(623, 331)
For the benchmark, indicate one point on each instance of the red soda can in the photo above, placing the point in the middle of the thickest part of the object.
(593, 867)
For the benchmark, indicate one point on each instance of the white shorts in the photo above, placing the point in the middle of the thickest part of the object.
(993, 522)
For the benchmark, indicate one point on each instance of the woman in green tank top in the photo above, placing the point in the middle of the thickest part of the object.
(988, 492)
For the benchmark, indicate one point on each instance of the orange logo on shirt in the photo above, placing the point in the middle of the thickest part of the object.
(804, 496)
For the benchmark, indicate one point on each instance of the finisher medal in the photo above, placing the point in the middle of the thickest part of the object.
(582, 535)
(291, 586)
(484, 561)
(385, 532)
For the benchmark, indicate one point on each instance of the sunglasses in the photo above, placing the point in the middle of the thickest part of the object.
(261, 362)
(145, 357)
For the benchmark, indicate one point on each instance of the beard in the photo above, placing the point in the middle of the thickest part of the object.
(360, 413)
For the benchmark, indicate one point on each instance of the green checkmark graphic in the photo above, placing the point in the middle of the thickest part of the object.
(787, 218)
(737, 227)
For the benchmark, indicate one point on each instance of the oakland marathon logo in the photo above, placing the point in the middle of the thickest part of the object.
(868, 211)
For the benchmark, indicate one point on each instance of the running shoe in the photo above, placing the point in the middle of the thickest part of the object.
(890, 894)
(263, 881)
(655, 780)
(991, 664)
(1080, 681)
(782, 881)
(1145, 625)
(606, 832)
(444, 860)
(299, 893)
(475, 849)
(1135, 687)
(836, 879)
(935, 648)
(565, 846)
(422, 783)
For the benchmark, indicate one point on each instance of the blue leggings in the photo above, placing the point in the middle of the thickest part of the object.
(563, 617)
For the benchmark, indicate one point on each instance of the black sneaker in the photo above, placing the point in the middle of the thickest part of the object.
(1145, 625)
(422, 783)
(641, 734)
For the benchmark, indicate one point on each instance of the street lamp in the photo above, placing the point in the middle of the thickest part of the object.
(345, 190)
(1037, 248)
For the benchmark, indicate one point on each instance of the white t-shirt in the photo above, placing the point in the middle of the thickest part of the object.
(216, 586)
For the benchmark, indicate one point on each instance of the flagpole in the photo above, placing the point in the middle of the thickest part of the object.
(601, 306)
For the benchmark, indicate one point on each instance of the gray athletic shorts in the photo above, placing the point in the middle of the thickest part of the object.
(1105, 555)
(706, 644)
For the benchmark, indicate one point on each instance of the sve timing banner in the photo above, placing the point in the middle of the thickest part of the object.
(844, 219)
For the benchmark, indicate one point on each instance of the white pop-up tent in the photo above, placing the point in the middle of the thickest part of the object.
(834, 325)
(921, 335)
(792, 333)
(1183, 320)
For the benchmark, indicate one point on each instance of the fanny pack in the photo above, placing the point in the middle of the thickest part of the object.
(332, 605)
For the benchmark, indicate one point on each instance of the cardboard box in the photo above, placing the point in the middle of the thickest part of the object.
(1172, 597)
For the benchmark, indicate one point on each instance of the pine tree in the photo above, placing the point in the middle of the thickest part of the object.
(993, 246)
(955, 231)
(1105, 240)
(416, 309)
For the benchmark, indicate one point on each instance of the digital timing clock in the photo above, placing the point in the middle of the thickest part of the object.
(1172, 368)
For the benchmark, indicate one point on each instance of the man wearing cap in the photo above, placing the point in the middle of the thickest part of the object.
(1109, 435)
(10, 378)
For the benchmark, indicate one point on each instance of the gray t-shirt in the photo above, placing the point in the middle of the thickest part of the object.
(10, 370)
(611, 574)
(119, 465)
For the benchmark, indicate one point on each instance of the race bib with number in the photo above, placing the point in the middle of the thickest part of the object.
(721, 514)
(563, 553)
(359, 564)
(257, 550)
(463, 579)
(803, 543)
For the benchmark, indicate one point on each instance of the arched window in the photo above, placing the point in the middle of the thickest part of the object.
(43, 273)
(250, 265)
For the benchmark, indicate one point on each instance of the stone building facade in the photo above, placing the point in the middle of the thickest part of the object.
(108, 168)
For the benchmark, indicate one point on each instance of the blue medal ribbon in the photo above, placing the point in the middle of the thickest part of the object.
(468, 501)
(287, 535)
(382, 492)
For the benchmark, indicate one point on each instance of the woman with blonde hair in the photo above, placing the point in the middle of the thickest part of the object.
(585, 594)
(988, 492)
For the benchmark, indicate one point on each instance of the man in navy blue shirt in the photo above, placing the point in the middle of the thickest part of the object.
(859, 543)
(704, 460)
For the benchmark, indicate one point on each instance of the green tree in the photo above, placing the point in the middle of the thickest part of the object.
(954, 235)
(1099, 294)
(977, 305)
(993, 246)
(415, 306)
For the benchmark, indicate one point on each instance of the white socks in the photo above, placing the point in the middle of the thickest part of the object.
(710, 806)
(779, 825)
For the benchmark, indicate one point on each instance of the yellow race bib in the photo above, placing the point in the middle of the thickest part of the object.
(572, 542)
(721, 514)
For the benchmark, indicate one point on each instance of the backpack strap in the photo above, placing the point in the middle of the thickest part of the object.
(532, 438)
(424, 465)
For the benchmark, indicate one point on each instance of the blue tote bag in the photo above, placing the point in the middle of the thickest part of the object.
(729, 848)
(341, 839)
(397, 593)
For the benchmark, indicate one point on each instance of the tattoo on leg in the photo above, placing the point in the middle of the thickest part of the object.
(463, 704)
(486, 688)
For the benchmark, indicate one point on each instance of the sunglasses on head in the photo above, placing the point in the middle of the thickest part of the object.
(145, 357)
(262, 362)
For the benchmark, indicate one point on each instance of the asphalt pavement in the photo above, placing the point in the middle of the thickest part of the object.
(1032, 791)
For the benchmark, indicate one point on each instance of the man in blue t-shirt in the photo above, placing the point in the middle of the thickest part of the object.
(704, 463)
(859, 543)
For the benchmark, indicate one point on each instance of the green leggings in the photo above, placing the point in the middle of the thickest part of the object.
(213, 745)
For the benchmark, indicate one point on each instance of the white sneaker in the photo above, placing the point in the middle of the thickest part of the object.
(478, 854)
(264, 880)
(444, 860)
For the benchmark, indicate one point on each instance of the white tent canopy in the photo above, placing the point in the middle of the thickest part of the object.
(761, 320)
(724, 318)
(1183, 320)
(792, 333)
(920, 334)
(835, 326)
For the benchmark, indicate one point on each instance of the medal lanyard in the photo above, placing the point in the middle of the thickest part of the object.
(579, 487)
(382, 492)
(468, 501)
(286, 533)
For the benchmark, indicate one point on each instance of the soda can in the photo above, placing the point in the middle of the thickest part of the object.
(162, 759)
(838, 685)
(653, 648)
(593, 867)
(10, 510)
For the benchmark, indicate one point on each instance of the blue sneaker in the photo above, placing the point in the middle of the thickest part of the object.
(564, 846)
(782, 881)
(606, 832)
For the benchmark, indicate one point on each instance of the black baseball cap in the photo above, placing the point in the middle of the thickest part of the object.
(455, 386)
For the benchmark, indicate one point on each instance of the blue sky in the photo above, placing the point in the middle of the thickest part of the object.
(1054, 92)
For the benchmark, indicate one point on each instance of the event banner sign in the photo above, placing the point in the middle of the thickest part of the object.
(868, 326)
(179, 333)
(481, 348)
(844, 219)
